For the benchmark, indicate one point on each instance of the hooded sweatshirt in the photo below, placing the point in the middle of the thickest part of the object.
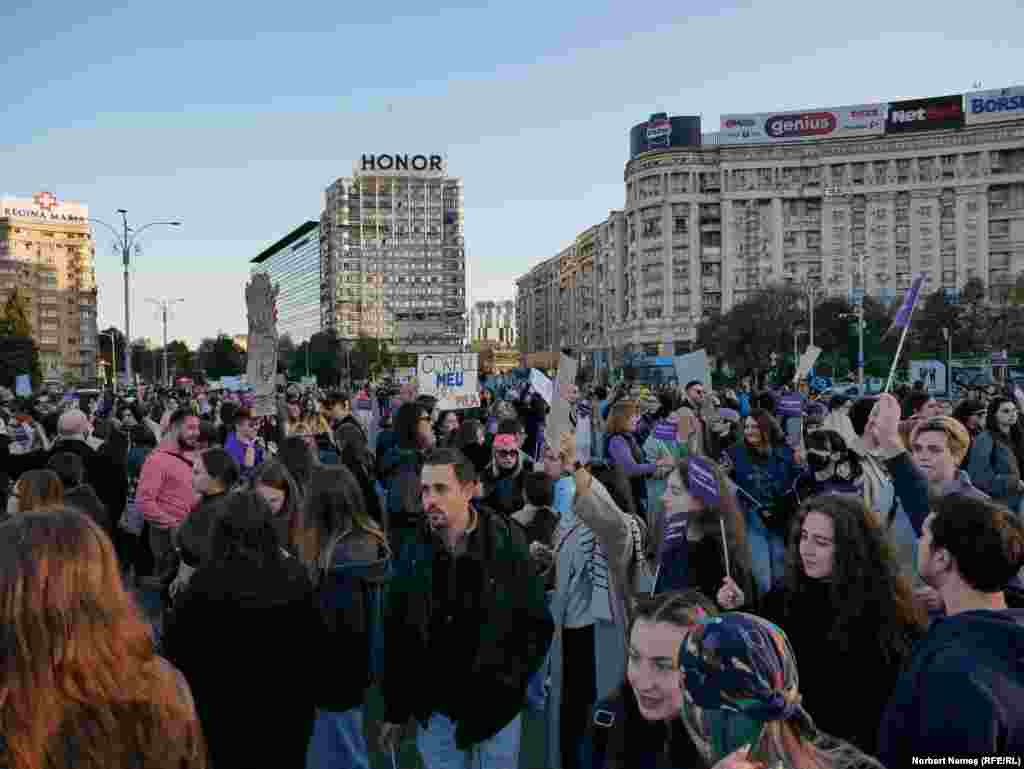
(963, 692)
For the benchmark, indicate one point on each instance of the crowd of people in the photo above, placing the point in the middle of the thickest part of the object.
(188, 583)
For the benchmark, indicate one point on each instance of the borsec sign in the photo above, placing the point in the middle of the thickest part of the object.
(992, 106)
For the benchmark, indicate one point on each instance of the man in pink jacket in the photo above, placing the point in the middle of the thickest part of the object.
(164, 494)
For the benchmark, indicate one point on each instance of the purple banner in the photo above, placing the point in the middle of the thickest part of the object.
(791, 405)
(703, 483)
(903, 316)
(674, 535)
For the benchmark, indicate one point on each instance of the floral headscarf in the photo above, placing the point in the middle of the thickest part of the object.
(744, 664)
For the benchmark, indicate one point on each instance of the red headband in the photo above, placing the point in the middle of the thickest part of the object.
(506, 441)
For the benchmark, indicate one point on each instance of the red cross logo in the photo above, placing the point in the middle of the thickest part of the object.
(45, 200)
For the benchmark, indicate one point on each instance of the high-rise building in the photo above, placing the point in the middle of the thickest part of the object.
(839, 201)
(494, 322)
(47, 253)
(293, 264)
(393, 258)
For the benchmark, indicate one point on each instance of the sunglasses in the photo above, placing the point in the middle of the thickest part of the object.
(506, 452)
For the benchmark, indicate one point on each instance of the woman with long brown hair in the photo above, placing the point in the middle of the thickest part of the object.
(81, 684)
(846, 610)
(35, 490)
(275, 484)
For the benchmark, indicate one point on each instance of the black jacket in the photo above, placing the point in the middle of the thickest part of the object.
(108, 478)
(252, 645)
(844, 690)
(83, 498)
(195, 534)
(506, 624)
(963, 692)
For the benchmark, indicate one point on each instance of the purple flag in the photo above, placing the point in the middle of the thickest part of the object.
(903, 316)
(791, 405)
(666, 431)
(703, 483)
(674, 535)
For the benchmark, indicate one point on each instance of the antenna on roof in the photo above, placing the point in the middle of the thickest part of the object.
(976, 85)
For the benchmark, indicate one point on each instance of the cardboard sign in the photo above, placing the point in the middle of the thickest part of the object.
(692, 366)
(542, 385)
(451, 378)
(807, 361)
(559, 419)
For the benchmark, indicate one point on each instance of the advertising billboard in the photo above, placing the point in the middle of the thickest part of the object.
(661, 131)
(932, 114)
(992, 106)
(803, 125)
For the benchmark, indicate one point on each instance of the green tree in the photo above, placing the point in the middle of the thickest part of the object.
(16, 313)
(934, 313)
(18, 355)
(180, 358)
(975, 316)
(220, 357)
(285, 353)
(374, 354)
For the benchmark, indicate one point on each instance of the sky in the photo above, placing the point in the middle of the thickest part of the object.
(234, 118)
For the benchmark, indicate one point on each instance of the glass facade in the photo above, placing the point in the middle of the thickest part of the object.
(293, 264)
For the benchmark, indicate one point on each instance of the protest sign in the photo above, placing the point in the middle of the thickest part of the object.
(261, 372)
(559, 419)
(692, 367)
(23, 386)
(451, 377)
(542, 385)
(702, 481)
(807, 361)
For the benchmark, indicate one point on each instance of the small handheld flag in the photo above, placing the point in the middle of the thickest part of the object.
(902, 320)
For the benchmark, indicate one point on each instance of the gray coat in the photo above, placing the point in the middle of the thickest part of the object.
(994, 468)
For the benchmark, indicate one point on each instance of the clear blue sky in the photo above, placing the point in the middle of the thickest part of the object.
(233, 117)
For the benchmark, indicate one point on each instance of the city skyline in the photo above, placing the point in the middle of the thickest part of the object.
(144, 110)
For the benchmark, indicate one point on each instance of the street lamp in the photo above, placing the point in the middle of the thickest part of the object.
(797, 332)
(113, 356)
(125, 243)
(165, 305)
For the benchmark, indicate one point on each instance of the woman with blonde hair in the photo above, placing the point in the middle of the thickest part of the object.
(35, 490)
(622, 449)
(81, 682)
(743, 669)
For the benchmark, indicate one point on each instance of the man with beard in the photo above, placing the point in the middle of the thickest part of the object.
(963, 692)
(164, 494)
(465, 626)
(503, 477)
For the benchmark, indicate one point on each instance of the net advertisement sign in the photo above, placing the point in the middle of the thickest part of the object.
(932, 114)
(803, 125)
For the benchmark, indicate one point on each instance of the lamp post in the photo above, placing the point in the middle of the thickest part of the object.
(796, 345)
(947, 334)
(165, 305)
(113, 356)
(125, 241)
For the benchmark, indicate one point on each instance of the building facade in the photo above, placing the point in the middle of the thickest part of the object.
(494, 322)
(47, 253)
(393, 259)
(293, 264)
(705, 226)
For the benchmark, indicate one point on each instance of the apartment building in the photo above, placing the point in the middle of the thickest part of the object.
(849, 200)
(393, 260)
(47, 253)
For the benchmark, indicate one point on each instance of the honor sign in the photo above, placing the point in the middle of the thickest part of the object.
(397, 163)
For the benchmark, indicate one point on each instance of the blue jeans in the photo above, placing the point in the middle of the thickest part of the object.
(767, 552)
(537, 688)
(338, 741)
(436, 744)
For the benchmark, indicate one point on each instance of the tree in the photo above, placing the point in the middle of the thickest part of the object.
(220, 357)
(285, 353)
(15, 320)
(374, 352)
(180, 357)
(18, 355)
(934, 313)
(974, 333)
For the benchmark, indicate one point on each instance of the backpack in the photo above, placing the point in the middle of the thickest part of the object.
(351, 595)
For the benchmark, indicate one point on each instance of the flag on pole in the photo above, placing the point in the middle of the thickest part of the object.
(903, 316)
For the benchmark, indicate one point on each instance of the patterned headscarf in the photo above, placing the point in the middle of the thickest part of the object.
(744, 664)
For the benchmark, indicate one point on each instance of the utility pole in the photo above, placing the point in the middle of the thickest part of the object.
(165, 305)
(125, 241)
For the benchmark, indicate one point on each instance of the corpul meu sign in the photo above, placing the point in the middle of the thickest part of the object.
(402, 162)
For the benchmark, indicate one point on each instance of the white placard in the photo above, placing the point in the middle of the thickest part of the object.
(693, 367)
(559, 420)
(451, 378)
(807, 361)
(542, 385)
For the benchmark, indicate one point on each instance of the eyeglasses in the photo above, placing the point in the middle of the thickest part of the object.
(506, 452)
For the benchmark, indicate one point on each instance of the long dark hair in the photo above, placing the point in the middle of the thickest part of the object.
(221, 467)
(407, 420)
(298, 457)
(244, 531)
(770, 429)
(1016, 436)
(873, 603)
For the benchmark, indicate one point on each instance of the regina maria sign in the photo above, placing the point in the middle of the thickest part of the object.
(930, 114)
(805, 125)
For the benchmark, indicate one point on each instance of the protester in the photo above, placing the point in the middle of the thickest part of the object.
(832, 468)
(503, 476)
(743, 669)
(446, 427)
(248, 637)
(35, 490)
(623, 450)
(639, 725)
(241, 443)
(482, 643)
(692, 407)
(971, 414)
(662, 442)
(471, 441)
(399, 470)
(300, 458)
(995, 460)
(77, 493)
(82, 684)
(346, 554)
(962, 693)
